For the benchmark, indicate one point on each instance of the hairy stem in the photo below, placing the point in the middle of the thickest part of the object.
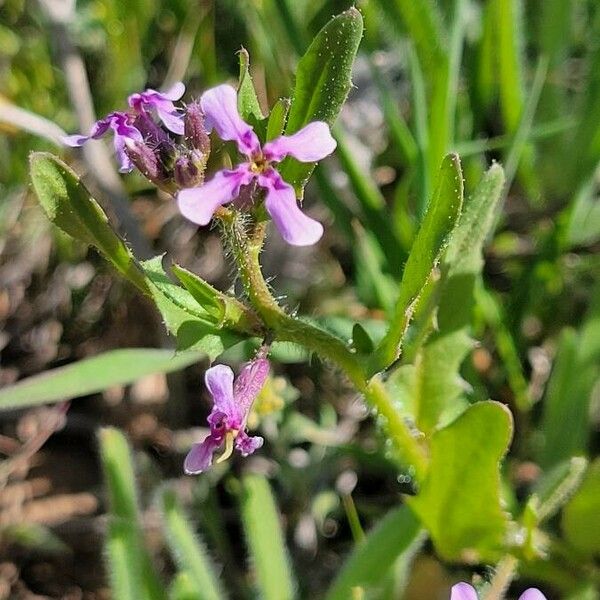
(246, 248)
(505, 572)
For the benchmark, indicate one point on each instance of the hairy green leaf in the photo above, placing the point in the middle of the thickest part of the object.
(248, 104)
(441, 217)
(72, 208)
(126, 541)
(188, 550)
(323, 80)
(265, 540)
(580, 522)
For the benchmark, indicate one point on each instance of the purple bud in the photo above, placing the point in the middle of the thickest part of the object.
(195, 133)
(153, 133)
(148, 163)
(189, 170)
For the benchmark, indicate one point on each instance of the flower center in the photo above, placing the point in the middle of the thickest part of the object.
(229, 438)
(259, 164)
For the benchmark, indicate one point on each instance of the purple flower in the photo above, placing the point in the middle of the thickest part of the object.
(464, 591)
(121, 124)
(227, 420)
(162, 103)
(310, 144)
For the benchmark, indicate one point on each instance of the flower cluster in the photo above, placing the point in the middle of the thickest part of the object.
(464, 591)
(170, 146)
(231, 405)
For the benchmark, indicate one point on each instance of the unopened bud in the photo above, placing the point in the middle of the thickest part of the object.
(147, 162)
(189, 170)
(151, 131)
(195, 134)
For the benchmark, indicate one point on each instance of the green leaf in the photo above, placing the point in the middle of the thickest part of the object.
(276, 123)
(323, 80)
(248, 104)
(121, 547)
(195, 328)
(459, 502)
(188, 551)
(125, 539)
(580, 522)
(397, 535)
(205, 294)
(71, 207)
(265, 540)
(557, 486)
(434, 383)
(442, 214)
(92, 375)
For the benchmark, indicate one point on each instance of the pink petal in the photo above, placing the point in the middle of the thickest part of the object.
(200, 457)
(463, 591)
(175, 92)
(294, 226)
(313, 142)
(219, 105)
(246, 444)
(172, 120)
(219, 381)
(249, 382)
(532, 594)
(125, 164)
(199, 204)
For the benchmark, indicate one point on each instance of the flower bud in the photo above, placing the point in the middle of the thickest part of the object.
(148, 163)
(189, 169)
(195, 134)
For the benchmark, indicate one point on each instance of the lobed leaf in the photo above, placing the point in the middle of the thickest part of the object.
(459, 502)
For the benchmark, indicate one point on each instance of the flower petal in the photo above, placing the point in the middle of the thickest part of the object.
(125, 164)
(199, 204)
(463, 591)
(175, 92)
(249, 382)
(172, 120)
(310, 144)
(199, 458)
(293, 225)
(74, 140)
(246, 444)
(532, 594)
(219, 105)
(219, 381)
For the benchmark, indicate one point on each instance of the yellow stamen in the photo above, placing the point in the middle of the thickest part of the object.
(229, 437)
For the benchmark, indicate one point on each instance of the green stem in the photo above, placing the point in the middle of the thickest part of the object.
(505, 572)
(246, 248)
(407, 445)
(246, 251)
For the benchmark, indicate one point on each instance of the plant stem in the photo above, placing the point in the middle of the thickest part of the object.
(505, 572)
(407, 445)
(246, 248)
(246, 251)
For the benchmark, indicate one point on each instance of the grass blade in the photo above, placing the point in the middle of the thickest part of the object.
(189, 551)
(265, 540)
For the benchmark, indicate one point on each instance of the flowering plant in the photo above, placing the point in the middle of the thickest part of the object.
(393, 317)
